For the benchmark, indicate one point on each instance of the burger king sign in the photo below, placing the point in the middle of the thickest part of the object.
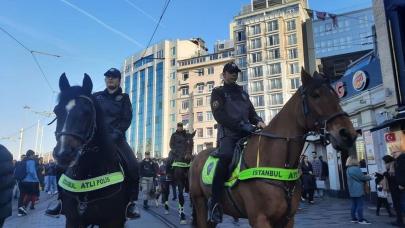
(359, 80)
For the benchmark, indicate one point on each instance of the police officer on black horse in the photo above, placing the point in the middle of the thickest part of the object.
(117, 109)
(236, 119)
(178, 142)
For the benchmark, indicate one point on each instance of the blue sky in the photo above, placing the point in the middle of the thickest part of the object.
(92, 36)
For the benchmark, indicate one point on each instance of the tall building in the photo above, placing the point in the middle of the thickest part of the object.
(339, 44)
(271, 40)
(150, 81)
(196, 78)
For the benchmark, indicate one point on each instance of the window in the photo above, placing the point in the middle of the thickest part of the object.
(200, 117)
(240, 36)
(256, 86)
(257, 71)
(256, 43)
(328, 27)
(274, 54)
(276, 99)
(257, 100)
(256, 57)
(262, 114)
(273, 112)
(200, 88)
(173, 117)
(185, 76)
(272, 26)
(274, 40)
(200, 133)
(274, 68)
(292, 39)
(242, 76)
(210, 86)
(295, 83)
(293, 53)
(240, 49)
(172, 103)
(184, 90)
(208, 100)
(241, 62)
(199, 102)
(210, 70)
(159, 54)
(291, 25)
(200, 72)
(255, 29)
(200, 148)
(173, 75)
(210, 132)
(173, 89)
(293, 68)
(209, 116)
(173, 50)
(275, 83)
(185, 105)
(173, 62)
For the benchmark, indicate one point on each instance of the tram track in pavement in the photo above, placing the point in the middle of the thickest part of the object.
(162, 218)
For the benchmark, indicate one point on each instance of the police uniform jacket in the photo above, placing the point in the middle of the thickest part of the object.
(6, 182)
(178, 142)
(117, 112)
(231, 107)
(148, 168)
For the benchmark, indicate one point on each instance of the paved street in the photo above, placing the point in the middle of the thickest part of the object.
(328, 212)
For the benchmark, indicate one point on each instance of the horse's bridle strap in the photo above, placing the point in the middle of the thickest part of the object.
(92, 184)
(269, 173)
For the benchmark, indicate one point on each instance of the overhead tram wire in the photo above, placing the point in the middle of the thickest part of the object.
(33, 55)
(156, 27)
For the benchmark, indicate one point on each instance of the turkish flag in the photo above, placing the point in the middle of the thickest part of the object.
(390, 137)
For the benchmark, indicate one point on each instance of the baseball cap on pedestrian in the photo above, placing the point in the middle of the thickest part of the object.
(231, 68)
(113, 72)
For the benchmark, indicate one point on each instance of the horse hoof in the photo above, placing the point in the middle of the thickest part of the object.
(166, 212)
(183, 222)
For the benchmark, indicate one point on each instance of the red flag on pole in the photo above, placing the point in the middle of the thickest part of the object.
(321, 15)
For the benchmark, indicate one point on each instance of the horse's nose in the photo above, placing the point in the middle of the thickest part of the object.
(346, 136)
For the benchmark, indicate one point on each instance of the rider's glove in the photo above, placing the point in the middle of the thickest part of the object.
(247, 127)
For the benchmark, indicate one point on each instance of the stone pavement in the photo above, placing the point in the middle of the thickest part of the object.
(327, 212)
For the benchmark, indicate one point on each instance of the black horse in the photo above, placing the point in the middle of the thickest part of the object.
(94, 191)
(181, 166)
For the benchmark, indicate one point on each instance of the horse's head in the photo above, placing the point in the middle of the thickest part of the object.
(323, 113)
(76, 121)
(189, 146)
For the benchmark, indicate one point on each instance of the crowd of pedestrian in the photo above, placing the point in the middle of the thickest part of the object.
(314, 176)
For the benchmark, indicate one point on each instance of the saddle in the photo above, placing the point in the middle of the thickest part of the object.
(210, 165)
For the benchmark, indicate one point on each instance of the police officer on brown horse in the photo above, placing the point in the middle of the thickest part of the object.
(236, 119)
(117, 110)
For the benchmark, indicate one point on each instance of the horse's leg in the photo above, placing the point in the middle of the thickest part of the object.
(165, 196)
(200, 207)
(259, 221)
(290, 223)
(180, 189)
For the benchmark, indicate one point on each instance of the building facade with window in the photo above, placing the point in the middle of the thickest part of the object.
(149, 78)
(340, 43)
(270, 48)
(196, 77)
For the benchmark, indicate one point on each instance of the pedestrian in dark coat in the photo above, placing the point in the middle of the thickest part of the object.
(308, 181)
(6, 183)
(393, 188)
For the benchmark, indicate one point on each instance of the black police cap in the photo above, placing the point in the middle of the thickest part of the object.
(231, 68)
(113, 72)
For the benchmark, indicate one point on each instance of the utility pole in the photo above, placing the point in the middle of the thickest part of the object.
(40, 144)
(21, 142)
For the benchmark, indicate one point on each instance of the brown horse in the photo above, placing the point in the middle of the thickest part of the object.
(273, 203)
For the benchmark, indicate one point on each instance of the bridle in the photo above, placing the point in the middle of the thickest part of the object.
(88, 137)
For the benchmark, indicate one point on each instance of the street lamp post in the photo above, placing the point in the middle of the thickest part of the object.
(21, 142)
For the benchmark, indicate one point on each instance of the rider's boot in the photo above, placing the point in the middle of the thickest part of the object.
(214, 212)
(54, 209)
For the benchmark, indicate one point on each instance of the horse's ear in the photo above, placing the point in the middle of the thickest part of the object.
(63, 82)
(87, 84)
(305, 77)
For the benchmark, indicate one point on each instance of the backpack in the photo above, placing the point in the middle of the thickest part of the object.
(20, 171)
